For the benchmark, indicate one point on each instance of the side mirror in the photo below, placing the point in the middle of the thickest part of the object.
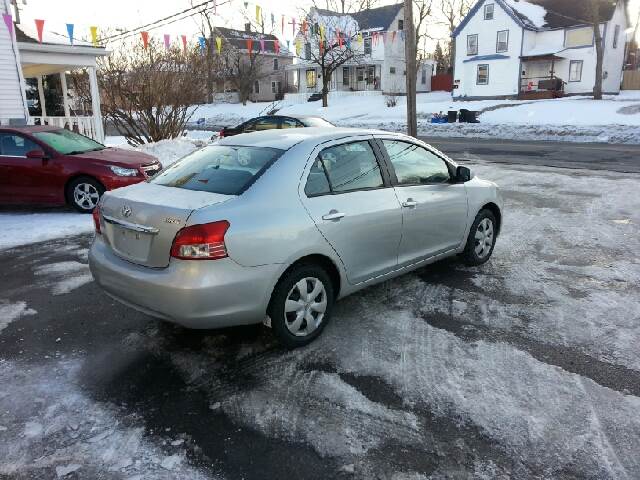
(463, 174)
(37, 155)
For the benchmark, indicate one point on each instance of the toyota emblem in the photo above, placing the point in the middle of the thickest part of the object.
(126, 211)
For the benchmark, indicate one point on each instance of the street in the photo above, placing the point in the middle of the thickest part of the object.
(525, 367)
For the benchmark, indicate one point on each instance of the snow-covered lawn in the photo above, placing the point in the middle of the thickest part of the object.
(615, 119)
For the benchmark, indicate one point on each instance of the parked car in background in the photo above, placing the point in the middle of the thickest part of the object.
(54, 166)
(271, 122)
(275, 226)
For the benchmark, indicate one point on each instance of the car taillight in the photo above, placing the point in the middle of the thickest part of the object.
(96, 219)
(221, 134)
(201, 242)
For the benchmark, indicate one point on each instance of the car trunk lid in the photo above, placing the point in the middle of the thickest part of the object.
(141, 221)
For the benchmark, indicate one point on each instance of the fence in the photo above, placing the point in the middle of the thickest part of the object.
(442, 82)
(83, 125)
(303, 97)
(631, 80)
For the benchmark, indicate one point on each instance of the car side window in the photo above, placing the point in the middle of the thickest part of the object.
(415, 165)
(249, 126)
(290, 123)
(12, 145)
(317, 182)
(266, 123)
(348, 167)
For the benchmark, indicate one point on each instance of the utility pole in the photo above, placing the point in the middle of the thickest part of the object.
(410, 59)
(16, 8)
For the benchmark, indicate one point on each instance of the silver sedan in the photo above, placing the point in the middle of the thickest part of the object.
(275, 226)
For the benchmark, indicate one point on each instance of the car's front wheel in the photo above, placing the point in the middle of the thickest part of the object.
(83, 194)
(301, 305)
(482, 239)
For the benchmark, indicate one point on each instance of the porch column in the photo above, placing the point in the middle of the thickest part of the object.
(43, 106)
(65, 95)
(95, 104)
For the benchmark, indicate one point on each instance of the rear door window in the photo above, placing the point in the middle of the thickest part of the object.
(228, 170)
(264, 123)
(346, 167)
(290, 123)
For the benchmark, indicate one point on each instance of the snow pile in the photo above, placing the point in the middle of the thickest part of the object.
(12, 311)
(535, 13)
(25, 228)
(64, 277)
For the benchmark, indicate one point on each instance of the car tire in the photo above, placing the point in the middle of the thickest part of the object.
(84, 193)
(481, 240)
(297, 325)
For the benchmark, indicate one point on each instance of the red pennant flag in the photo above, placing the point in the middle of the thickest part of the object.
(145, 39)
(304, 27)
(249, 45)
(262, 44)
(167, 41)
(339, 37)
(39, 27)
(393, 36)
(276, 45)
(184, 42)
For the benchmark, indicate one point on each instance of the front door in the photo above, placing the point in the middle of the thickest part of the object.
(24, 179)
(434, 209)
(355, 208)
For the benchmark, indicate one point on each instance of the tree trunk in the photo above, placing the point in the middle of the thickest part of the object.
(209, 67)
(411, 74)
(326, 78)
(597, 87)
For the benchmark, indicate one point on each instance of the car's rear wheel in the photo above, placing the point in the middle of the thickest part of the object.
(301, 305)
(481, 240)
(84, 193)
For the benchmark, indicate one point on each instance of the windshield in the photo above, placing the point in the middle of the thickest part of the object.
(68, 143)
(228, 170)
(316, 122)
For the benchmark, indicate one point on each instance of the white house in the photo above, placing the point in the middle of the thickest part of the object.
(23, 56)
(536, 49)
(379, 60)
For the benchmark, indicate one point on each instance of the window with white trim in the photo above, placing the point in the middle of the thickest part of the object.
(256, 87)
(472, 44)
(275, 64)
(488, 11)
(578, 37)
(483, 74)
(575, 70)
(616, 36)
(502, 41)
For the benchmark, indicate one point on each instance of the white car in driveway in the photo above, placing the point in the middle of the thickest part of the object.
(281, 223)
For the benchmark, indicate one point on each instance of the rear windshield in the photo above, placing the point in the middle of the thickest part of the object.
(227, 170)
(316, 122)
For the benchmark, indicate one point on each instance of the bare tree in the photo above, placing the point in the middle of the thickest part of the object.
(451, 14)
(147, 93)
(241, 67)
(345, 6)
(422, 13)
(331, 53)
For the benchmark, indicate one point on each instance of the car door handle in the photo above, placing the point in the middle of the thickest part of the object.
(410, 203)
(333, 215)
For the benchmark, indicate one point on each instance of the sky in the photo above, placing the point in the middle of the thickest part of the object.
(125, 14)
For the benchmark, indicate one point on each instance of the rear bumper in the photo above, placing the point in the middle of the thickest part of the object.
(195, 294)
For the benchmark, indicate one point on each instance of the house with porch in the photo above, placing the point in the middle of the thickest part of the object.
(23, 57)
(533, 49)
(379, 63)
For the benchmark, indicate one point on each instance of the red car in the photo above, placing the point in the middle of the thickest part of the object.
(50, 165)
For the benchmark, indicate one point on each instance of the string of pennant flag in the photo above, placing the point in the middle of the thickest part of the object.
(300, 30)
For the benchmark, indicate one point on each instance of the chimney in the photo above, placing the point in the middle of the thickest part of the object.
(247, 27)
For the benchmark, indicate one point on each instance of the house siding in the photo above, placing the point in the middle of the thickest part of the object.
(12, 100)
(614, 57)
(503, 72)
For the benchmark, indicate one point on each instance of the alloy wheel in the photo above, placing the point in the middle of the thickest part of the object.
(86, 196)
(484, 238)
(305, 306)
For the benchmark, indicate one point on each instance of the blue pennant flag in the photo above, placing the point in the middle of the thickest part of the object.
(203, 45)
(70, 32)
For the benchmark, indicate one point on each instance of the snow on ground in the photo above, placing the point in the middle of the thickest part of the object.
(580, 119)
(19, 228)
(10, 312)
(67, 431)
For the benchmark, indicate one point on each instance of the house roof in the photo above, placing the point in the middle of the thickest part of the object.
(562, 13)
(546, 14)
(238, 39)
(372, 18)
(25, 35)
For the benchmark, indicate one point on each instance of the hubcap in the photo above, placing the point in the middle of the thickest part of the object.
(484, 238)
(305, 306)
(86, 196)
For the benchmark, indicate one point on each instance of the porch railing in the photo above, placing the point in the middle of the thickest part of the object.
(302, 97)
(536, 84)
(83, 125)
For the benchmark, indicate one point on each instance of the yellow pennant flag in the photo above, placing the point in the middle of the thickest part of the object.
(359, 37)
(219, 44)
(94, 35)
(258, 15)
(322, 33)
(298, 46)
